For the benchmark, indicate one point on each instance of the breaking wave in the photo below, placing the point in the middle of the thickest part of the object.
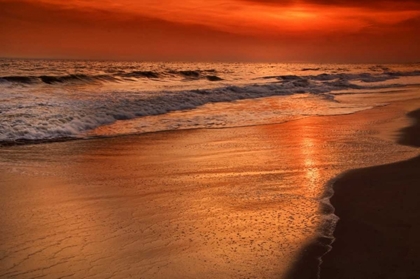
(116, 77)
(209, 75)
(45, 106)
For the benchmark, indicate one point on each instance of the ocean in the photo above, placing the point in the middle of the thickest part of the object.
(49, 100)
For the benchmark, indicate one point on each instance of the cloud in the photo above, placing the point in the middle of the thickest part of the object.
(40, 30)
(363, 4)
(45, 29)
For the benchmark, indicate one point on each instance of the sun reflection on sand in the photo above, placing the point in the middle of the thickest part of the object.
(188, 202)
(228, 203)
(309, 153)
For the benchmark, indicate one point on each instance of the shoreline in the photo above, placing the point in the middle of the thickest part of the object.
(376, 235)
(88, 136)
(225, 203)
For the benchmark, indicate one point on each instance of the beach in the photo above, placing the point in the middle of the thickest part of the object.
(239, 202)
(377, 235)
(225, 139)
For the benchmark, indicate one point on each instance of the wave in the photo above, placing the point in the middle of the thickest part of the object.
(39, 115)
(116, 77)
(210, 75)
(310, 69)
(364, 77)
(141, 74)
(35, 119)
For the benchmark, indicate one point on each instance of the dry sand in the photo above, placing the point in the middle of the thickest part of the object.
(228, 203)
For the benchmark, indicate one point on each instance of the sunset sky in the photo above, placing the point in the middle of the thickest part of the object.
(217, 30)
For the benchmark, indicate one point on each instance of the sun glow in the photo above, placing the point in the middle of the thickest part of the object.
(177, 30)
(233, 16)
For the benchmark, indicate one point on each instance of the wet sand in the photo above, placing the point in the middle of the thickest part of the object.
(227, 203)
(378, 235)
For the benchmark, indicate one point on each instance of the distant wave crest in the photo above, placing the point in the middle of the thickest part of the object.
(39, 118)
(117, 77)
(209, 75)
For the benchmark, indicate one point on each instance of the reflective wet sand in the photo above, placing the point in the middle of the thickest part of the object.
(227, 203)
(379, 228)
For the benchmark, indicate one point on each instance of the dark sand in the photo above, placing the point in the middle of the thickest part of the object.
(411, 135)
(378, 235)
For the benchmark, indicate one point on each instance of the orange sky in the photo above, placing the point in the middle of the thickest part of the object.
(216, 30)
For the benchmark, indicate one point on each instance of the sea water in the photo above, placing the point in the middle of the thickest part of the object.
(47, 100)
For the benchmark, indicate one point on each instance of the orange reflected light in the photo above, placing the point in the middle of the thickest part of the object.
(310, 163)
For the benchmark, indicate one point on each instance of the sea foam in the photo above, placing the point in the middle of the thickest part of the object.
(48, 107)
